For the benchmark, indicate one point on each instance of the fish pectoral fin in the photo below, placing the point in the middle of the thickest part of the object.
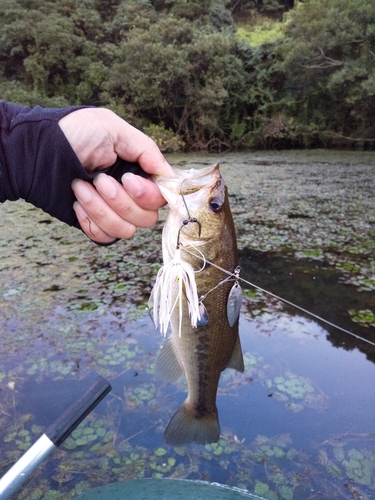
(236, 361)
(186, 426)
(167, 366)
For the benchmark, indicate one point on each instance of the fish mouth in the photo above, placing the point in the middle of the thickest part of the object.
(187, 182)
(195, 175)
(193, 178)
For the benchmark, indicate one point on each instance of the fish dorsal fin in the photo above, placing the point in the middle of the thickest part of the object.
(236, 361)
(167, 366)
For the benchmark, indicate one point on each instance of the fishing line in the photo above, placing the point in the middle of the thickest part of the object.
(280, 298)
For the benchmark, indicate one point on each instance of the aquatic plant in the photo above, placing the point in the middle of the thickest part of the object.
(74, 309)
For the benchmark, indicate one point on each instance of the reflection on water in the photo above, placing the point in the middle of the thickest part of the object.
(297, 424)
(293, 421)
(315, 286)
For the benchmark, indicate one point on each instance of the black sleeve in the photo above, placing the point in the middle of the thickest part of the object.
(37, 162)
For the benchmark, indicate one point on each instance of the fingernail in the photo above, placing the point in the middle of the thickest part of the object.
(82, 191)
(106, 185)
(79, 210)
(133, 183)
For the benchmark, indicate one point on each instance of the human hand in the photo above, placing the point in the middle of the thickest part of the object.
(112, 210)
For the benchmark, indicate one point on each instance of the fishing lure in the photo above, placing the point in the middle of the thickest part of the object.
(176, 279)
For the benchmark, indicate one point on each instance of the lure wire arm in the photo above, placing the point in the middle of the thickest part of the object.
(285, 301)
(235, 275)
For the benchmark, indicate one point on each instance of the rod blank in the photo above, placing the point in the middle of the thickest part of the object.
(77, 411)
(54, 435)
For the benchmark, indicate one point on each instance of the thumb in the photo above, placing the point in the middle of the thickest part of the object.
(133, 145)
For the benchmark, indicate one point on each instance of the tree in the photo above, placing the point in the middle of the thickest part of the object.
(187, 78)
(180, 66)
(329, 63)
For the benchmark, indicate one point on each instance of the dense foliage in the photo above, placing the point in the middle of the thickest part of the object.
(328, 56)
(211, 74)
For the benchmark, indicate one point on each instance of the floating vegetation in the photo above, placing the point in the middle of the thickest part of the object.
(69, 309)
(356, 273)
(257, 304)
(364, 283)
(296, 392)
(96, 453)
(90, 433)
(139, 395)
(363, 317)
(315, 254)
(343, 459)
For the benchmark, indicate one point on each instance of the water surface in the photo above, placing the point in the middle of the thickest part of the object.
(298, 424)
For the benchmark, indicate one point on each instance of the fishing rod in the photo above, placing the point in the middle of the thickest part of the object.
(236, 276)
(52, 437)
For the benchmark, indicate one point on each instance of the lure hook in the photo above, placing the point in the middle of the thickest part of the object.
(185, 222)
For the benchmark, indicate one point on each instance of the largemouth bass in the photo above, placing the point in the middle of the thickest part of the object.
(197, 292)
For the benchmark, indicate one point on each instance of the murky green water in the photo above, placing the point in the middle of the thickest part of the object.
(298, 424)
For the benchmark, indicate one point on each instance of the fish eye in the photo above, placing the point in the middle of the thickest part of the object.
(215, 205)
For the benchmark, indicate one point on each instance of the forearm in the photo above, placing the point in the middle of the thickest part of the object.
(37, 163)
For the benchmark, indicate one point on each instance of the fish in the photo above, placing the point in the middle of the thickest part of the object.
(197, 293)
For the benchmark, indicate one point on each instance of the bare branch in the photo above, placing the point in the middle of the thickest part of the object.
(322, 61)
(234, 7)
(354, 139)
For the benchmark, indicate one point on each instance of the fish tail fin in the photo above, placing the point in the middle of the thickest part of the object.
(188, 426)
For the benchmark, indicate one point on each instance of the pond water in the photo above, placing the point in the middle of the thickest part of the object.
(297, 424)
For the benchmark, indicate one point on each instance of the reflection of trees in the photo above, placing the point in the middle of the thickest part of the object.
(314, 286)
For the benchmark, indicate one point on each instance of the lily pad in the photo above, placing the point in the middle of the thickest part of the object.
(364, 317)
(296, 391)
